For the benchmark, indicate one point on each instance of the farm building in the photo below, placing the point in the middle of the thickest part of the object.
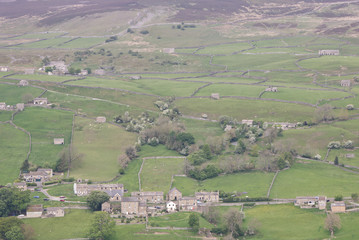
(40, 101)
(311, 202)
(136, 77)
(59, 141)
(207, 196)
(2, 106)
(110, 207)
(248, 122)
(345, 83)
(34, 211)
(150, 197)
(4, 69)
(171, 206)
(174, 194)
(328, 52)
(83, 189)
(215, 96)
(101, 119)
(60, 66)
(55, 212)
(83, 72)
(21, 185)
(133, 206)
(115, 194)
(41, 175)
(271, 89)
(20, 106)
(23, 83)
(187, 204)
(337, 207)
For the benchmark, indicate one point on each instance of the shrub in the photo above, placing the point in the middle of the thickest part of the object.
(334, 145)
(338, 198)
(350, 107)
(144, 32)
(348, 144)
(71, 179)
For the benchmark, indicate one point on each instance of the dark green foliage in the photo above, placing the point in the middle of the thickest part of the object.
(338, 198)
(281, 163)
(15, 233)
(103, 227)
(185, 138)
(238, 199)
(336, 160)
(210, 171)
(111, 39)
(48, 69)
(89, 70)
(193, 222)
(129, 30)
(280, 133)
(144, 32)
(207, 151)
(74, 71)
(241, 147)
(197, 158)
(45, 61)
(95, 199)
(131, 153)
(219, 230)
(13, 201)
(355, 197)
(10, 228)
(25, 166)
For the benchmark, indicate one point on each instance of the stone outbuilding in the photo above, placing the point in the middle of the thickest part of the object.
(329, 52)
(23, 83)
(174, 194)
(149, 197)
(20, 106)
(345, 83)
(59, 141)
(40, 101)
(55, 212)
(21, 185)
(338, 207)
(215, 96)
(187, 204)
(100, 119)
(2, 106)
(207, 196)
(34, 211)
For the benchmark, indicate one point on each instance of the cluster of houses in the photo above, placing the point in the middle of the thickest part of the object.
(143, 203)
(329, 52)
(38, 176)
(320, 202)
(17, 107)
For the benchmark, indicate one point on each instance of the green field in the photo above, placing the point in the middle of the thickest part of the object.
(255, 184)
(335, 64)
(157, 173)
(100, 145)
(44, 125)
(81, 43)
(48, 43)
(75, 224)
(312, 178)
(14, 145)
(225, 48)
(5, 116)
(232, 90)
(66, 190)
(178, 219)
(201, 130)
(42, 77)
(12, 95)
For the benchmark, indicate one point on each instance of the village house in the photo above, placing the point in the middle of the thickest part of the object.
(285, 125)
(187, 204)
(174, 194)
(345, 83)
(171, 206)
(115, 194)
(21, 185)
(4, 69)
(83, 189)
(328, 52)
(34, 211)
(2, 106)
(248, 122)
(101, 119)
(111, 207)
(23, 83)
(311, 202)
(215, 96)
(338, 207)
(55, 212)
(20, 106)
(133, 206)
(207, 196)
(41, 175)
(40, 101)
(150, 197)
(59, 141)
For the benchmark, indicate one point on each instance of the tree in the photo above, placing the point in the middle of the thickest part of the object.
(193, 222)
(13, 201)
(233, 219)
(336, 160)
(95, 200)
(6, 225)
(15, 233)
(67, 157)
(324, 113)
(332, 223)
(102, 227)
(207, 151)
(241, 147)
(355, 197)
(25, 166)
(212, 215)
(131, 153)
(45, 61)
(338, 198)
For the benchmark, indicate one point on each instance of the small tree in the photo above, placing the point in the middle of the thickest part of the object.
(336, 160)
(131, 153)
(332, 223)
(338, 198)
(102, 227)
(193, 222)
(355, 197)
(95, 200)
(233, 219)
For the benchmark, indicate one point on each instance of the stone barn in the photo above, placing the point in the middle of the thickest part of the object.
(345, 83)
(23, 83)
(40, 101)
(59, 141)
(101, 119)
(215, 96)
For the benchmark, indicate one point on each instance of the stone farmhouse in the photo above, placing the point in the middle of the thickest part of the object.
(59, 141)
(2, 106)
(83, 72)
(311, 202)
(23, 83)
(187, 204)
(328, 52)
(55, 212)
(149, 197)
(101, 119)
(83, 189)
(111, 207)
(133, 206)
(345, 83)
(4, 69)
(21, 185)
(174, 194)
(338, 207)
(115, 194)
(171, 206)
(215, 96)
(34, 211)
(40, 101)
(59, 66)
(20, 106)
(207, 196)
(41, 175)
